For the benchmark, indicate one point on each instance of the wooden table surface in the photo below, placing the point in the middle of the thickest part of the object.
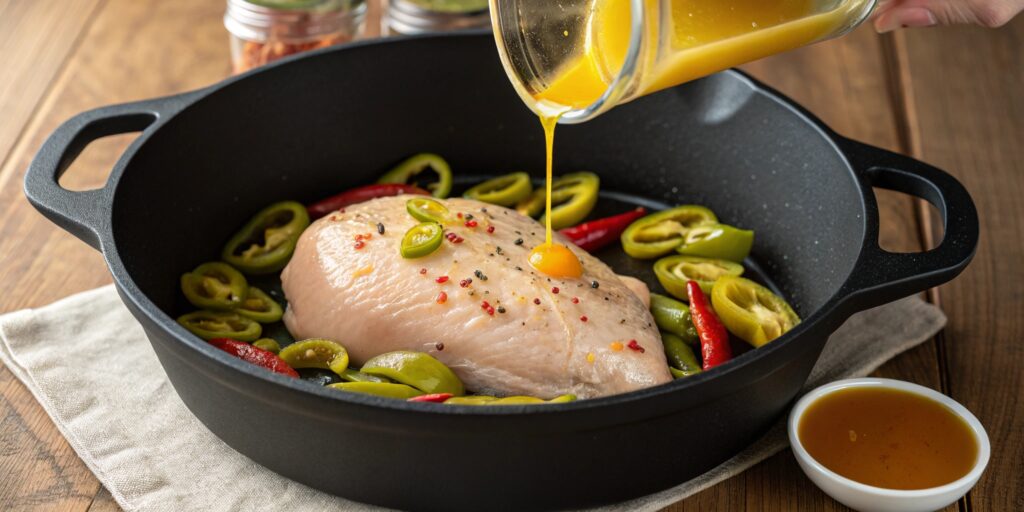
(953, 97)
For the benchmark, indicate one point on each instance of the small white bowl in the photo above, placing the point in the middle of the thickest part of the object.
(870, 498)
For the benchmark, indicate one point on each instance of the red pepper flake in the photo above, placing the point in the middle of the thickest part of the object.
(442, 298)
(490, 229)
(575, 300)
(423, 271)
(555, 290)
(360, 244)
(441, 280)
(486, 306)
(471, 224)
(465, 282)
(459, 215)
(633, 345)
(453, 238)
(536, 301)
(583, 318)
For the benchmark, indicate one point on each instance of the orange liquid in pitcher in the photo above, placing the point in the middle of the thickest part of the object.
(706, 36)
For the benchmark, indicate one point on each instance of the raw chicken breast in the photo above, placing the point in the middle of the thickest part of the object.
(544, 337)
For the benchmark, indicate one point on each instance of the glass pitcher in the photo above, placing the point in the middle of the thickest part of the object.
(579, 58)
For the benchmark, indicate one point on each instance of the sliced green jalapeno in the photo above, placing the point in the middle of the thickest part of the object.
(384, 389)
(425, 209)
(266, 243)
(573, 197)
(507, 190)
(422, 240)
(407, 171)
(750, 311)
(674, 272)
(718, 241)
(316, 353)
(214, 285)
(680, 356)
(417, 369)
(268, 344)
(260, 307)
(674, 317)
(352, 375)
(220, 324)
(661, 233)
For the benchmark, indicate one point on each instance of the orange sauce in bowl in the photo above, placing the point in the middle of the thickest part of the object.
(888, 438)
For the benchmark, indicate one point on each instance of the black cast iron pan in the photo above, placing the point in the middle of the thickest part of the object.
(312, 126)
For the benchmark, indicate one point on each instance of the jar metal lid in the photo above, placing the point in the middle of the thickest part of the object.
(256, 20)
(412, 17)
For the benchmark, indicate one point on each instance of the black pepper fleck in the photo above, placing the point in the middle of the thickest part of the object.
(595, 285)
(501, 309)
(480, 275)
(519, 268)
(469, 216)
(439, 345)
(380, 228)
(519, 241)
(499, 250)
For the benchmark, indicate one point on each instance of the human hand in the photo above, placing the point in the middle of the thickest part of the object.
(893, 14)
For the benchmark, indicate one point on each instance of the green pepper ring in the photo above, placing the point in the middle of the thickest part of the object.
(316, 353)
(719, 241)
(666, 230)
(417, 369)
(268, 221)
(425, 209)
(403, 172)
(193, 286)
(673, 272)
(573, 197)
(271, 311)
(382, 389)
(422, 240)
(240, 327)
(507, 190)
(747, 308)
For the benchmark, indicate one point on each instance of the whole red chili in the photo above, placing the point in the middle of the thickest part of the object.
(593, 235)
(256, 356)
(359, 195)
(436, 398)
(714, 339)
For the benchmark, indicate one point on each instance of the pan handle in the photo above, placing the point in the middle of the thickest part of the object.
(881, 276)
(86, 214)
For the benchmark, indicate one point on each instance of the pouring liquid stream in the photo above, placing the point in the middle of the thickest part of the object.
(699, 38)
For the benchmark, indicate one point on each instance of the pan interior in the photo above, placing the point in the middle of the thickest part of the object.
(315, 126)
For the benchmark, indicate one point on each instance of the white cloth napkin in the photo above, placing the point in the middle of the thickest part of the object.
(88, 363)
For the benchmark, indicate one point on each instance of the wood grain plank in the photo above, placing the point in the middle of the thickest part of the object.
(132, 50)
(966, 85)
(34, 43)
(845, 82)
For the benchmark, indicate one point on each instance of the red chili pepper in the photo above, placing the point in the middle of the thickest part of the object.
(256, 356)
(436, 398)
(714, 339)
(593, 235)
(359, 195)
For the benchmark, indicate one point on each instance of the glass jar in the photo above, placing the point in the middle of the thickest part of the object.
(579, 58)
(263, 31)
(411, 17)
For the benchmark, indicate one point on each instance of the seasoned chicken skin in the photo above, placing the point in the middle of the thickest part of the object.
(476, 305)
